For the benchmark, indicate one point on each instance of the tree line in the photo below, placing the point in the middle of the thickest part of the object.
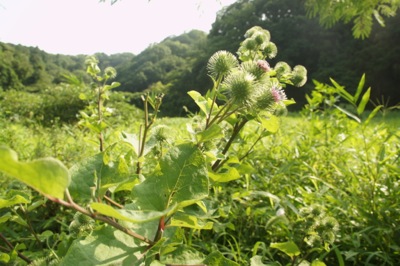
(177, 64)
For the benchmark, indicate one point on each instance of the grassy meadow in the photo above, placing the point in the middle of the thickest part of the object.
(319, 179)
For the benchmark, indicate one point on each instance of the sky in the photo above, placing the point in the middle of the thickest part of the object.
(74, 27)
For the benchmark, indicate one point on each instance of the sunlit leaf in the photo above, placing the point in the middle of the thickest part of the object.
(229, 174)
(270, 123)
(289, 248)
(363, 102)
(359, 88)
(48, 176)
(10, 201)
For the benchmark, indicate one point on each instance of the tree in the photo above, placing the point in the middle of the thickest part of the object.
(361, 13)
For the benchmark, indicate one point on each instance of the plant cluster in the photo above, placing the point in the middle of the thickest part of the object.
(228, 186)
(155, 207)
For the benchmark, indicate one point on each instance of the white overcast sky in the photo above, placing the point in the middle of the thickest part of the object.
(87, 26)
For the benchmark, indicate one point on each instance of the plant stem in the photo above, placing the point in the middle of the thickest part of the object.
(71, 204)
(213, 101)
(11, 248)
(99, 110)
(236, 129)
(30, 224)
(252, 146)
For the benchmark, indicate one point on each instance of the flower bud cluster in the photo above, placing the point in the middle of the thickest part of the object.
(253, 85)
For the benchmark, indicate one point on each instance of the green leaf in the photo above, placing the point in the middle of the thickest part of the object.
(5, 217)
(111, 86)
(317, 263)
(85, 173)
(15, 199)
(132, 216)
(180, 179)
(201, 102)
(289, 248)
(372, 114)
(189, 221)
(342, 92)
(363, 102)
(4, 257)
(216, 258)
(228, 174)
(106, 246)
(270, 123)
(348, 113)
(48, 176)
(213, 132)
(183, 255)
(257, 261)
(379, 18)
(359, 88)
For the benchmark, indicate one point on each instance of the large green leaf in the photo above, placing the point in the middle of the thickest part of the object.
(106, 246)
(85, 173)
(180, 179)
(48, 176)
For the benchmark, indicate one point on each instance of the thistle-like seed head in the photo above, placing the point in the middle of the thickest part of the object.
(241, 86)
(221, 63)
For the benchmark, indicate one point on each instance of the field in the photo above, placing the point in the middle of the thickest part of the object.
(240, 182)
(329, 185)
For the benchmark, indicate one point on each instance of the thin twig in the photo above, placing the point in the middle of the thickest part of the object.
(11, 248)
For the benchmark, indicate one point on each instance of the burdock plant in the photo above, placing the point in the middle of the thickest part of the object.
(246, 88)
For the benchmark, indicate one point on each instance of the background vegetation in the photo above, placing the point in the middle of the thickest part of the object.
(316, 187)
(177, 64)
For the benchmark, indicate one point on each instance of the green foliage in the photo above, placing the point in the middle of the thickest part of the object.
(360, 12)
(230, 185)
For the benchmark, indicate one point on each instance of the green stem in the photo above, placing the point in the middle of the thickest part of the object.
(99, 111)
(213, 101)
(28, 220)
(71, 204)
(236, 129)
(252, 146)
(11, 248)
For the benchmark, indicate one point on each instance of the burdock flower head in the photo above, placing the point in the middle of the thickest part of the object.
(241, 86)
(263, 65)
(278, 93)
(270, 96)
(221, 63)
